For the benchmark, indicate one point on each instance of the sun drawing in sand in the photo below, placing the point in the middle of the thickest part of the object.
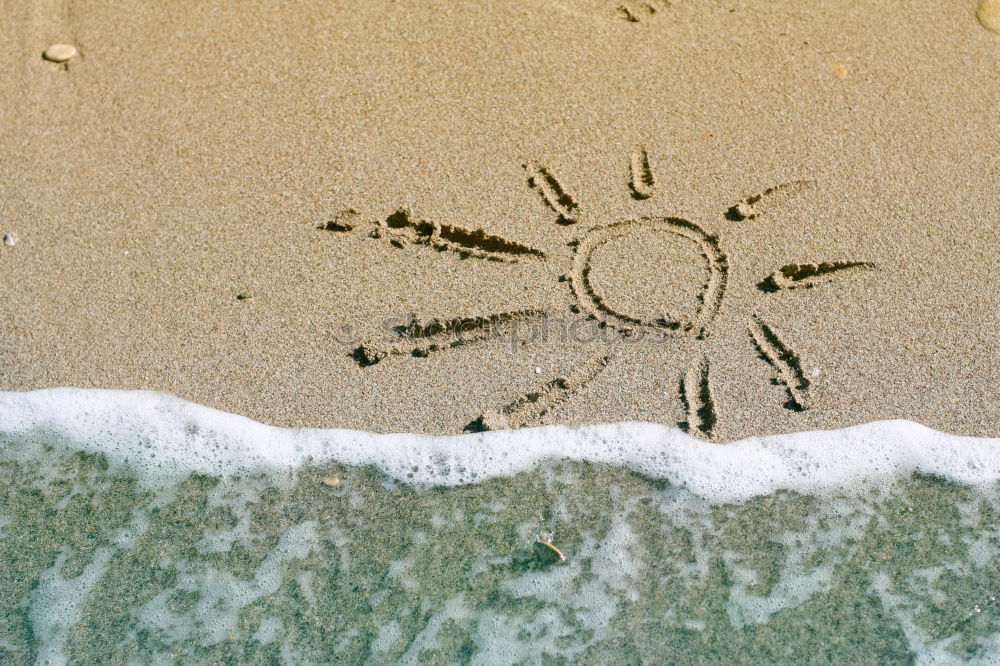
(591, 299)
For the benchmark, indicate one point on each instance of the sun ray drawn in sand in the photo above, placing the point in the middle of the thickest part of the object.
(592, 300)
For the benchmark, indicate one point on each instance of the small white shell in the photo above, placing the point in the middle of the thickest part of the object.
(59, 52)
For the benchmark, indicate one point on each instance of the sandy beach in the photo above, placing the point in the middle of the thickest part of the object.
(652, 227)
(167, 187)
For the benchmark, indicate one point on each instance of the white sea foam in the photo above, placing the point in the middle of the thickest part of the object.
(687, 567)
(162, 436)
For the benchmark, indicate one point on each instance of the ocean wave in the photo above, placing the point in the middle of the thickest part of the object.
(163, 437)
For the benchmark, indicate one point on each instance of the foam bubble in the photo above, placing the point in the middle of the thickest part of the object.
(162, 437)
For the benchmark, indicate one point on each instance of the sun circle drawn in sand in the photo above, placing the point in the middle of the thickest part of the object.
(422, 338)
(592, 301)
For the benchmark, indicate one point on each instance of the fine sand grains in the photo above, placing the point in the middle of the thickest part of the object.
(385, 216)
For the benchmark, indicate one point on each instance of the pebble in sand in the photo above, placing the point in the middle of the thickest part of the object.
(59, 52)
(989, 15)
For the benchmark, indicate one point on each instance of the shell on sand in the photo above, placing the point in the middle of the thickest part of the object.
(546, 553)
(59, 52)
(989, 15)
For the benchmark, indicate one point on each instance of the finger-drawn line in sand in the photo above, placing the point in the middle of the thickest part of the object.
(402, 229)
(696, 394)
(590, 301)
(785, 362)
(619, 316)
(635, 11)
(552, 193)
(531, 407)
(642, 181)
(748, 208)
(794, 276)
(423, 338)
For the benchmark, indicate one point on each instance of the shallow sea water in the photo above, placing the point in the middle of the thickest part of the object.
(295, 567)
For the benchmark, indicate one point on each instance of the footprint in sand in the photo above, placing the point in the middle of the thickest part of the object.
(654, 275)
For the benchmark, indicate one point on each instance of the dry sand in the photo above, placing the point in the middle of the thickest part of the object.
(166, 186)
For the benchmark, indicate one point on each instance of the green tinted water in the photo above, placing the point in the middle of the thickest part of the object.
(291, 569)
